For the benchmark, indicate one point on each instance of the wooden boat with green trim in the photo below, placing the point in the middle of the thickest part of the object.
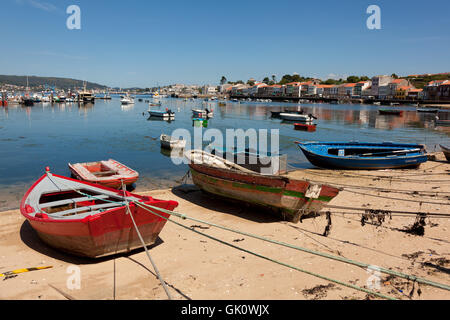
(291, 198)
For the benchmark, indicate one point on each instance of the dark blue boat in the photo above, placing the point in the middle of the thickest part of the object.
(363, 155)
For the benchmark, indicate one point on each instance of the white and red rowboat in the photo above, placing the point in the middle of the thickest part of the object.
(109, 173)
(90, 220)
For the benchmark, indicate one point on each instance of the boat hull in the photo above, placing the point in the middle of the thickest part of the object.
(278, 194)
(114, 181)
(362, 163)
(100, 234)
(446, 151)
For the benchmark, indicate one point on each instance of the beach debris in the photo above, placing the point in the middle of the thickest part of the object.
(14, 273)
(376, 217)
(238, 240)
(328, 226)
(319, 291)
(198, 226)
(418, 228)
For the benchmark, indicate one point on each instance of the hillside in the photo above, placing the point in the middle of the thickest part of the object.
(60, 83)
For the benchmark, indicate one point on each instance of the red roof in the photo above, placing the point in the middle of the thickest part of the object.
(348, 85)
(397, 80)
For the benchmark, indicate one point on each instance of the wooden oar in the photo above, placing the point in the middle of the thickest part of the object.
(389, 152)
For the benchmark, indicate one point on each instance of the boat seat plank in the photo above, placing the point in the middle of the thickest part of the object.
(90, 208)
(68, 201)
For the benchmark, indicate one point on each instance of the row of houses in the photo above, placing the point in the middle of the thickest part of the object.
(379, 87)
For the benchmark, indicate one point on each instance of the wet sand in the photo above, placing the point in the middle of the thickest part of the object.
(196, 267)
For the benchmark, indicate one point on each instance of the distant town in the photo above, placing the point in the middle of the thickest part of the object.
(426, 87)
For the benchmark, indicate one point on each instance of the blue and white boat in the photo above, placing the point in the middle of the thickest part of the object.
(363, 155)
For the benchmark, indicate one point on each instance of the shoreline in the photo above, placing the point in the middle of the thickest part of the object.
(189, 262)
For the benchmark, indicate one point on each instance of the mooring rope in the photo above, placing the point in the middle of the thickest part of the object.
(342, 259)
(163, 283)
(270, 259)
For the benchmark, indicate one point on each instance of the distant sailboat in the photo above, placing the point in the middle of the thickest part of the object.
(27, 100)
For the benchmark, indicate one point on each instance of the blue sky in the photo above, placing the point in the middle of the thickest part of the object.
(147, 43)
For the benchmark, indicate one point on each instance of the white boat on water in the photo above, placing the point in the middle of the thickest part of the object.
(198, 113)
(127, 100)
(297, 117)
(168, 142)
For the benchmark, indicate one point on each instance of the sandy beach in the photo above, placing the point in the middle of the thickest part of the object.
(196, 267)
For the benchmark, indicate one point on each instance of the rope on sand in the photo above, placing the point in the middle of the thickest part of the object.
(325, 255)
(163, 283)
(267, 258)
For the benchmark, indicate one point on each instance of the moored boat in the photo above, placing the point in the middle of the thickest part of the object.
(427, 110)
(276, 114)
(446, 151)
(168, 114)
(305, 127)
(198, 113)
(109, 173)
(170, 143)
(297, 117)
(127, 100)
(390, 112)
(90, 220)
(362, 155)
(290, 197)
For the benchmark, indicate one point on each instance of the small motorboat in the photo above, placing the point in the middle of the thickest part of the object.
(390, 112)
(198, 113)
(446, 151)
(427, 110)
(363, 155)
(168, 142)
(151, 104)
(297, 117)
(91, 220)
(289, 198)
(305, 127)
(127, 100)
(276, 114)
(109, 173)
(168, 114)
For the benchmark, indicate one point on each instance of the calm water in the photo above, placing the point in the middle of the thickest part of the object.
(53, 135)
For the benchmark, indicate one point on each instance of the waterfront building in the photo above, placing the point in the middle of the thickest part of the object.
(415, 94)
(380, 87)
(293, 89)
(253, 91)
(431, 90)
(361, 86)
(444, 91)
(402, 92)
(395, 84)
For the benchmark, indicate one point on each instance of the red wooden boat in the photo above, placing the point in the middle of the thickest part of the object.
(291, 198)
(109, 173)
(3, 103)
(88, 219)
(305, 127)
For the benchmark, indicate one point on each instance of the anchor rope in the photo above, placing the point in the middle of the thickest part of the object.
(338, 258)
(274, 260)
(341, 259)
(163, 283)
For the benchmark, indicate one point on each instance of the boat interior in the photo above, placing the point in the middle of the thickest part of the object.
(77, 204)
(382, 152)
(99, 169)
